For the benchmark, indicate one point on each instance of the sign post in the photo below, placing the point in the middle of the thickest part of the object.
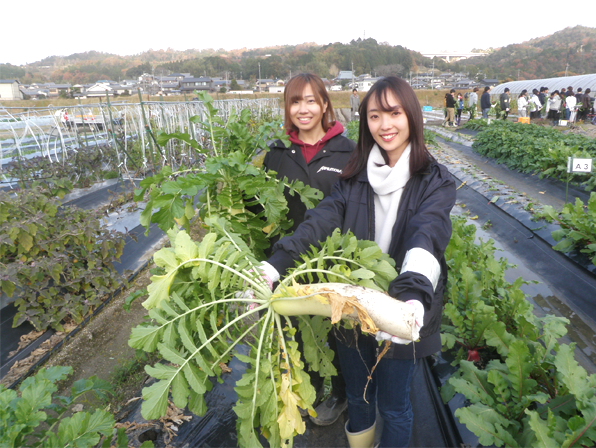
(577, 166)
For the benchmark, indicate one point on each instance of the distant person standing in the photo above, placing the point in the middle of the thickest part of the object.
(535, 105)
(554, 106)
(587, 104)
(542, 97)
(570, 103)
(473, 99)
(522, 104)
(460, 108)
(579, 96)
(504, 100)
(485, 102)
(569, 93)
(562, 110)
(450, 106)
(354, 104)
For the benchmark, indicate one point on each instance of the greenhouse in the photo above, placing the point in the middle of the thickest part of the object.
(516, 87)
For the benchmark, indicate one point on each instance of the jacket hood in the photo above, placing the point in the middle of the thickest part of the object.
(335, 129)
(308, 150)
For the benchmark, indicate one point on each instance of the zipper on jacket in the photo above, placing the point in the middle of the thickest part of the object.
(371, 200)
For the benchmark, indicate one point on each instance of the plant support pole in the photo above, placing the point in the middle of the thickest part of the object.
(111, 129)
(149, 136)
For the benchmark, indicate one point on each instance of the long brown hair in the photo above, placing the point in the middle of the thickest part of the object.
(295, 89)
(419, 155)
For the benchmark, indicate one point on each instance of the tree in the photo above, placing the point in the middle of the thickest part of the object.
(137, 71)
(9, 71)
(387, 70)
(234, 85)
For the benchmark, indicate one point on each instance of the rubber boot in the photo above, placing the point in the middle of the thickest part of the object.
(362, 439)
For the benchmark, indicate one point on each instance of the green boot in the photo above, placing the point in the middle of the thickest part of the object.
(361, 439)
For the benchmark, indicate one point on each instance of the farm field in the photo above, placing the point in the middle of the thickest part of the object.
(101, 347)
(340, 100)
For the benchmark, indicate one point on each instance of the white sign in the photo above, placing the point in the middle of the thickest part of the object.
(579, 165)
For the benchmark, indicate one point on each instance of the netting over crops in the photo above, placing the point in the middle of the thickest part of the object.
(124, 134)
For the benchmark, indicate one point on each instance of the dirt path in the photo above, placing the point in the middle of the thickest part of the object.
(101, 348)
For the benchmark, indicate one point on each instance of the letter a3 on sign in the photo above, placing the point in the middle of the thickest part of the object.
(579, 165)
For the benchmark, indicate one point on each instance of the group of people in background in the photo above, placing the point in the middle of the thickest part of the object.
(565, 104)
(454, 105)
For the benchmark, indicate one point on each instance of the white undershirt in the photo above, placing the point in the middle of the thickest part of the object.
(388, 184)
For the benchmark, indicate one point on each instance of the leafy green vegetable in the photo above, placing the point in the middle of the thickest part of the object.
(198, 319)
(532, 393)
(229, 186)
(578, 226)
(531, 148)
(33, 416)
(56, 260)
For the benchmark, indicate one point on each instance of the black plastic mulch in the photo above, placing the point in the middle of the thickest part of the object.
(434, 424)
(554, 187)
(572, 275)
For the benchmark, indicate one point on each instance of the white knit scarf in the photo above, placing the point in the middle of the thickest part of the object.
(388, 184)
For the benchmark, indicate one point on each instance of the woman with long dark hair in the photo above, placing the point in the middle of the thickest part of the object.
(393, 192)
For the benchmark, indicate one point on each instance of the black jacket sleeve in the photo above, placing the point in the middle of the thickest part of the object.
(430, 229)
(318, 224)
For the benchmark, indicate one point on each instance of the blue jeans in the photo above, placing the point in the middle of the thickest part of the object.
(485, 113)
(389, 389)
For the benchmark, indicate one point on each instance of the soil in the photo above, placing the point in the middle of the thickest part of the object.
(101, 348)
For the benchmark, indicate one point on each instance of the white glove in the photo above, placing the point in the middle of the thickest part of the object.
(418, 310)
(269, 275)
(418, 317)
(383, 336)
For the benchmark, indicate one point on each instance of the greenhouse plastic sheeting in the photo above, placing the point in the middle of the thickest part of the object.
(515, 87)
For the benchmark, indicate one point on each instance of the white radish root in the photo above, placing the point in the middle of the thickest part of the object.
(374, 310)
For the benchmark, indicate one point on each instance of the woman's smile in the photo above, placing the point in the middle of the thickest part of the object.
(389, 128)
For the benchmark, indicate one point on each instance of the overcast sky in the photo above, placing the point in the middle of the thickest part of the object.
(37, 29)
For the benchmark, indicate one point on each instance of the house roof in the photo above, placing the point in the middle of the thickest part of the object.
(9, 81)
(344, 74)
(201, 79)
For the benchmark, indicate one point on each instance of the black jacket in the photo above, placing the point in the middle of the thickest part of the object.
(485, 101)
(449, 101)
(422, 222)
(321, 172)
(504, 100)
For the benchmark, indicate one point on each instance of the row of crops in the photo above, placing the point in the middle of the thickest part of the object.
(524, 388)
(83, 145)
(545, 151)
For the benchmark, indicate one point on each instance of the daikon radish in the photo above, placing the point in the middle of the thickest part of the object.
(374, 310)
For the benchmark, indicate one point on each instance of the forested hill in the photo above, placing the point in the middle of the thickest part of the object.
(365, 56)
(572, 50)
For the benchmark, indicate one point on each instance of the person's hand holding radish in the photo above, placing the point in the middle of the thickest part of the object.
(418, 310)
(268, 274)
